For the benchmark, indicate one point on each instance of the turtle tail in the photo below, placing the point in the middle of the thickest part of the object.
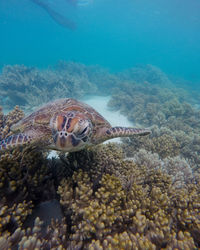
(126, 132)
(14, 141)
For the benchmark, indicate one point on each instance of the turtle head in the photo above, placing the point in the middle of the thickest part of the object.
(71, 131)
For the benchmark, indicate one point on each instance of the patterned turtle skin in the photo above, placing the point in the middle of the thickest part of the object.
(65, 125)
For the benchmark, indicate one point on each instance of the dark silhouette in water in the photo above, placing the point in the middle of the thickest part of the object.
(57, 17)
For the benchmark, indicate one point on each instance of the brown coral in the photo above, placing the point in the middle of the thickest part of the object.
(31, 239)
(165, 145)
(14, 216)
(108, 202)
(6, 121)
(102, 210)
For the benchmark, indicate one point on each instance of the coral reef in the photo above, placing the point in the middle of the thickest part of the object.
(102, 80)
(102, 210)
(13, 216)
(31, 239)
(146, 74)
(175, 122)
(25, 175)
(161, 141)
(22, 170)
(165, 145)
(30, 87)
(26, 178)
(141, 194)
(6, 121)
(178, 168)
(111, 202)
(152, 105)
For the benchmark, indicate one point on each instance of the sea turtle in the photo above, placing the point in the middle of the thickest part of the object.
(66, 125)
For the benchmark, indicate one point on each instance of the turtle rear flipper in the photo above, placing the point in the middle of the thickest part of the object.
(14, 141)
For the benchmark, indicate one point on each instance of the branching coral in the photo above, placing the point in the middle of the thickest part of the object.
(101, 210)
(31, 87)
(31, 239)
(179, 169)
(165, 145)
(14, 216)
(148, 201)
(109, 202)
(153, 105)
(161, 142)
(25, 174)
(97, 222)
(6, 121)
(146, 74)
(147, 159)
(25, 179)
(98, 76)
(149, 104)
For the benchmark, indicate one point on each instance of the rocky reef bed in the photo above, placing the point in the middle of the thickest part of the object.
(141, 194)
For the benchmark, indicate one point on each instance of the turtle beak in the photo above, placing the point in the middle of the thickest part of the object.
(65, 141)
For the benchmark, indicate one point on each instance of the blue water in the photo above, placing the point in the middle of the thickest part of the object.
(116, 34)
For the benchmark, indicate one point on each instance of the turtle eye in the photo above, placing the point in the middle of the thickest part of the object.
(84, 130)
(82, 133)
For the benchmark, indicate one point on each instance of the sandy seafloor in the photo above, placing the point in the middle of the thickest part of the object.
(99, 103)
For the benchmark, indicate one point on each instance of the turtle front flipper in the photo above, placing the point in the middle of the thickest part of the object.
(14, 141)
(126, 132)
(108, 133)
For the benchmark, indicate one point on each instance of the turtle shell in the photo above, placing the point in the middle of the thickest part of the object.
(40, 119)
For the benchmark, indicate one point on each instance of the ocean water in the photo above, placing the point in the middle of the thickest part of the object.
(114, 34)
(137, 63)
